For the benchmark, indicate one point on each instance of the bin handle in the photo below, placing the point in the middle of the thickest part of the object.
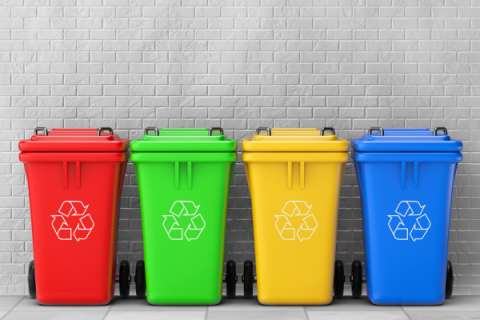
(331, 129)
(376, 128)
(269, 131)
(215, 129)
(99, 132)
(155, 129)
(44, 129)
(435, 131)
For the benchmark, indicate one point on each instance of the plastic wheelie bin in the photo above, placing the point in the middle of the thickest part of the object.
(75, 179)
(406, 182)
(184, 177)
(295, 177)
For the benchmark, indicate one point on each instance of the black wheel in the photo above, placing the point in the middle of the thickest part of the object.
(356, 279)
(32, 288)
(124, 279)
(140, 282)
(338, 279)
(248, 279)
(449, 286)
(231, 279)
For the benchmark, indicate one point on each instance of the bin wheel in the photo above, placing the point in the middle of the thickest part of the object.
(247, 279)
(449, 286)
(124, 279)
(356, 279)
(32, 288)
(338, 279)
(231, 279)
(140, 282)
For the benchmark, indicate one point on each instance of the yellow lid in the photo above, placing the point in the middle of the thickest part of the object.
(295, 140)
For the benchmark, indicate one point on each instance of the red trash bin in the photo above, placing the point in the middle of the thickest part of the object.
(75, 179)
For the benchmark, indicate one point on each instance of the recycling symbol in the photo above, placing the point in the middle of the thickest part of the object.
(184, 209)
(409, 210)
(296, 209)
(72, 210)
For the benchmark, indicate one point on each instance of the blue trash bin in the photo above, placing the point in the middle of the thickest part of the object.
(406, 180)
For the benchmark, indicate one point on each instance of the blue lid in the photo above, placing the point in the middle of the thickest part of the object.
(418, 140)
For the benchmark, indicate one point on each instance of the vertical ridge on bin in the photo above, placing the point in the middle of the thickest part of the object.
(65, 175)
(302, 175)
(289, 175)
(177, 175)
(415, 175)
(78, 175)
(403, 175)
(189, 175)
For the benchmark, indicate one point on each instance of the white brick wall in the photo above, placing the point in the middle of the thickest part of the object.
(239, 64)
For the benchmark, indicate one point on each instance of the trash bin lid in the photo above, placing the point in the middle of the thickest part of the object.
(184, 140)
(79, 140)
(380, 139)
(294, 140)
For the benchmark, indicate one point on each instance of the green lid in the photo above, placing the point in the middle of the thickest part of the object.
(184, 140)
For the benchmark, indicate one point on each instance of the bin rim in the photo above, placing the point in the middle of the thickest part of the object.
(73, 156)
(332, 157)
(406, 156)
(155, 157)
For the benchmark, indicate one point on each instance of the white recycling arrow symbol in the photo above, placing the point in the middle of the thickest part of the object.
(71, 209)
(185, 209)
(409, 209)
(299, 209)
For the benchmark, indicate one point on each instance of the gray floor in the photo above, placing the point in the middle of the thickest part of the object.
(458, 307)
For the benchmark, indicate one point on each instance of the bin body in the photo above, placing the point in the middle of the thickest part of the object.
(295, 195)
(74, 206)
(406, 199)
(183, 199)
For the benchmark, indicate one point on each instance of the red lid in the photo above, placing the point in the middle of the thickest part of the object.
(68, 140)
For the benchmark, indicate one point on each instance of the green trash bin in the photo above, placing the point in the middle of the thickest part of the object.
(184, 177)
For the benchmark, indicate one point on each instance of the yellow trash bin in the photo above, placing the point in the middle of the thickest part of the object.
(295, 176)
